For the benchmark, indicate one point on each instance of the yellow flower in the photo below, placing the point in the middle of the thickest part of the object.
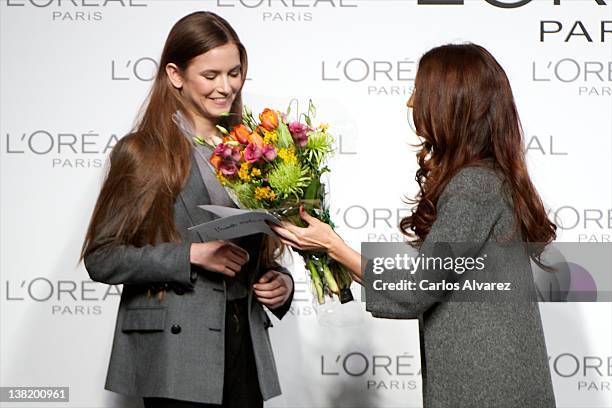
(323, 127)
(269, 137)
(221, 178)
(243, 173)
(288, 154)
(264, 193)
(255, 172)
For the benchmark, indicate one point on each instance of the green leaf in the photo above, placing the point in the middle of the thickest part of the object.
(284, 136)
(312, 193)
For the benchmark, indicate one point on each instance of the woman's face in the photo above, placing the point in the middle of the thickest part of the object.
(410, 102)
(410, 113)
(211, 82)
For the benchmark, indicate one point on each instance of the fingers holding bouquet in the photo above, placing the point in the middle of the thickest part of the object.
(317, 236)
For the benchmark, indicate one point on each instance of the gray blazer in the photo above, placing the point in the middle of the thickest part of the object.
(174, 348)
(477, 354)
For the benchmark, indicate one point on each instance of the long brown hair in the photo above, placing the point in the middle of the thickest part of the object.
(464, 111)
(149, 167)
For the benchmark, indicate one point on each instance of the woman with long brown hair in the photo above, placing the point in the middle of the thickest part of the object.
(474, 189)
(191, 330)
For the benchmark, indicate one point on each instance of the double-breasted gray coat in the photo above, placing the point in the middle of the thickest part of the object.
(174, 348)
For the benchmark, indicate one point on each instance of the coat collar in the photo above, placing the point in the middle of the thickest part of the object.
(193, 194)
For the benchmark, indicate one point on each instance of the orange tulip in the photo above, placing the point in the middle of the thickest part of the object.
(241, 133)
(256, 139)
(269, 119)
(216, 161)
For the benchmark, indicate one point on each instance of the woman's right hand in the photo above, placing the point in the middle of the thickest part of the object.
(317, 236)
(221, 257)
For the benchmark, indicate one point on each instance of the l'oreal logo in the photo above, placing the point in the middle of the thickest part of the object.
(76, 3)
(286, 3)
(508, 4)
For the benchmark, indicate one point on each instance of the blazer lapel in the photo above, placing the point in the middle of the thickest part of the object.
(194, 193)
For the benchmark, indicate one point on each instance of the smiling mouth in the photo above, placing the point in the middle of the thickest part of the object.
(220, 101)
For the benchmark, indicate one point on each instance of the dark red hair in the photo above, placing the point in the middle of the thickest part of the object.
(464, 111)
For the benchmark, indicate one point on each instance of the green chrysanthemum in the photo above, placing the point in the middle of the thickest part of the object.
(288, 178)
(317, 148)
(246, 194)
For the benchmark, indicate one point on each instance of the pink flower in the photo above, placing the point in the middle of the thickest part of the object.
(299, 133)
(222, 150)
(302, 140)
(228, 168)
(236, 153)
(252, 153)
(227, 152)
(269, 152)
(297, 128)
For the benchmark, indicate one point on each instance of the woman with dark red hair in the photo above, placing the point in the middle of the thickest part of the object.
(474, 188)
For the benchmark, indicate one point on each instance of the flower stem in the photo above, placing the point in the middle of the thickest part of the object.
(316, 280)
(329, 279)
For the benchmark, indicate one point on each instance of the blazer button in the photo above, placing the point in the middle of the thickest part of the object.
(175, 329)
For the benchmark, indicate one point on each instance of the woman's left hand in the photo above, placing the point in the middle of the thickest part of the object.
(273, 289)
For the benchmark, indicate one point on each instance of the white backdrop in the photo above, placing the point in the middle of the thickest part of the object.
(73, 74)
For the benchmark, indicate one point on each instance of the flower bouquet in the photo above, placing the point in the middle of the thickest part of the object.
(276, 165)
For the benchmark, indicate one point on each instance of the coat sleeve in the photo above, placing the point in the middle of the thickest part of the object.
(125, 263)
(281, 311)
(467, 211)
(164, 262)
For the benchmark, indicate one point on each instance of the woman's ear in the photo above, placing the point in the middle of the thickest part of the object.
(174, 75)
